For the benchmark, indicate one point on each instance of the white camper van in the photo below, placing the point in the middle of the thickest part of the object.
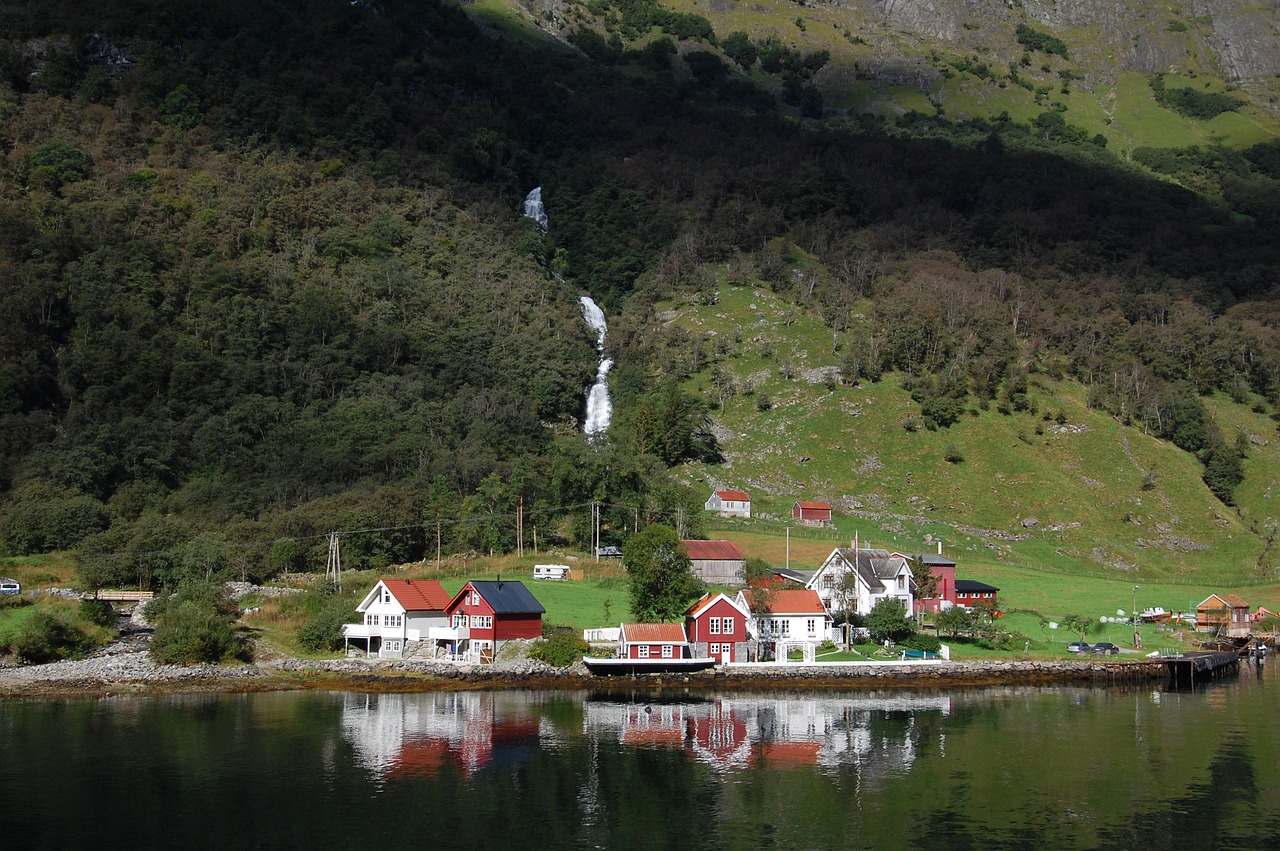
(551, 571)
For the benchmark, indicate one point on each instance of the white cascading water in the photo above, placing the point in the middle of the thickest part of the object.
(599, 406)
(533, 208)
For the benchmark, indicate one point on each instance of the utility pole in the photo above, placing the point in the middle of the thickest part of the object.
(437, 541)
(520, 526)
(595, 530)
(333, 567)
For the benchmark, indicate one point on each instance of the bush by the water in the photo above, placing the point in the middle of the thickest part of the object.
(560, 649)
(323, 627)
(47, 637)
(195, 624)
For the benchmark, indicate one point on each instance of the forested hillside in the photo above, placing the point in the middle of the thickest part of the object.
(265, 276)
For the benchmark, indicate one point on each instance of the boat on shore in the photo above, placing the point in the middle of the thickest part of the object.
(630, 667)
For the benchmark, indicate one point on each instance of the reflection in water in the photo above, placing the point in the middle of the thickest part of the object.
(984, 768)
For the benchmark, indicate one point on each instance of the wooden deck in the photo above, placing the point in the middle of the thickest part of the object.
(1184, 670)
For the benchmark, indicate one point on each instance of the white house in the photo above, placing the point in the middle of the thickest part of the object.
(729, 503)
(876, 575)
(397, 612)
(793, 618)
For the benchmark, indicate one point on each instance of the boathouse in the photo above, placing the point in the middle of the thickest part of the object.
(1225, 615)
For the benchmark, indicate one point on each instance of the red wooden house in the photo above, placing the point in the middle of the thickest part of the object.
(485, 615)
(945, 595)
(652, 641)
(811, 513)
(717, 627)
(971, 592)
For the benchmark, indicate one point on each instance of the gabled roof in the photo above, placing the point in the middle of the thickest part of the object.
(1231, 600)
(708, 600)
(504, 596)
(973, 586)
(795, 601)
(712, 551)
(653, 633)
(793, 575)
(814, 506)
(417, 595)
(735, 496)
(872, 566)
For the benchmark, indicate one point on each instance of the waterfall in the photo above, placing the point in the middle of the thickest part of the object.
(599, 407)
(533, 208)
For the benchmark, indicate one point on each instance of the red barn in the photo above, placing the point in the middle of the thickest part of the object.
(720, 624)
(652, 641)
(811, 513)
(485, 615)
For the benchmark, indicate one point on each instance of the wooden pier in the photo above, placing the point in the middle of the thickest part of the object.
(1184, 670)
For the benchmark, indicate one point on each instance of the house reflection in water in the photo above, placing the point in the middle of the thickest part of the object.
(406, 735)
(403, 735)
(777, 732)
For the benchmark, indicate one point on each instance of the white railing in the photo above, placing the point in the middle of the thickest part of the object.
(603, 634)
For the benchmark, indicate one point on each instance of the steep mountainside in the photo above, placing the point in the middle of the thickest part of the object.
(265, 274)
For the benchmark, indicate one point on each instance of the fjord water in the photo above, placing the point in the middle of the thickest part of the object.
(1009, 767)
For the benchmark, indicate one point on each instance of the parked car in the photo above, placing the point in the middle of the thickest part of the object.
(1106, 647)
(1078, 647)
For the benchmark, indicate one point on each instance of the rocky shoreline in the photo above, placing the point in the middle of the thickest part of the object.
(125, 667)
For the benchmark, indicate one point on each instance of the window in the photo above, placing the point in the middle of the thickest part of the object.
(786, 626)
(667, 651)
(475, 598)
(902, 582)
(713, 649)
(828, 581)
(481, 621)
(374, 621)
(812, 625)
(459, 620)
(714, 625)
(643, 651)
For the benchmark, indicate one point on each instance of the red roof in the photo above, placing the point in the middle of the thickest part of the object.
(736, 496)
(713, 550)
(705, 602)
(418, 595)
(653, 633)
(814, 506)
(796, 602)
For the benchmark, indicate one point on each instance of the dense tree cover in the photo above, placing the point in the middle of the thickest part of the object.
(264, 276)
(1190, 102)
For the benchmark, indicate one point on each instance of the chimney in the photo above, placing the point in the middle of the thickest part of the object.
(939, 546)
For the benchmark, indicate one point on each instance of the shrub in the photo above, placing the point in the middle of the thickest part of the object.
(47, 637)
(562, 648)
(921, 641)
(98, 612)
(323, 629)
(953, 455)
(195, 624)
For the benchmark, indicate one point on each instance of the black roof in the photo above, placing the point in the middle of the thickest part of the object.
(508, 597)
(972, 586)
(929, 559)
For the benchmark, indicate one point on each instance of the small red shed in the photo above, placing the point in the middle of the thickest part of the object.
(652, 641)
(811, 513)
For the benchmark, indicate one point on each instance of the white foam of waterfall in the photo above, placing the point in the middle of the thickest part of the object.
(599, 405)
(533, 208)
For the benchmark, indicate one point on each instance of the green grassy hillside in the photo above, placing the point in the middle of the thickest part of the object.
(1063, 488)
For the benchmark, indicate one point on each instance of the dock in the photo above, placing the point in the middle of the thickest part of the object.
(1184, 670)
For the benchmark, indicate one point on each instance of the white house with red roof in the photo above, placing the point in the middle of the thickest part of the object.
(716, 626)
(792, 618)
(396, 613)
(729, 503)
(716, 562)
(652, 641)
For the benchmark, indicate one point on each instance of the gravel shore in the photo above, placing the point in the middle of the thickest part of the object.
(125, 667)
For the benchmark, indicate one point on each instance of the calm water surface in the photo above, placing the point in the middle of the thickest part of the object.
(991, 768)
